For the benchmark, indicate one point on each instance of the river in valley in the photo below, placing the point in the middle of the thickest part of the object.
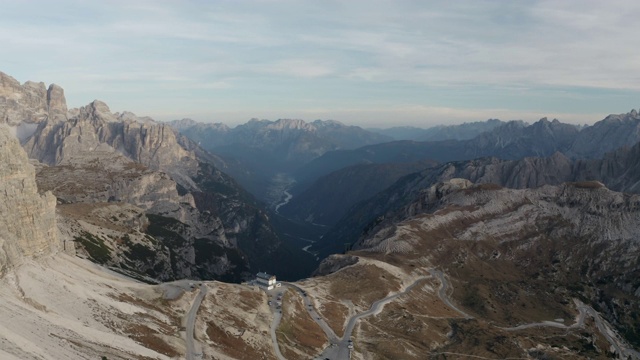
(302, 234)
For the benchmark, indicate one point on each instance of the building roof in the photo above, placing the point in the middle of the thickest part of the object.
(265, 276)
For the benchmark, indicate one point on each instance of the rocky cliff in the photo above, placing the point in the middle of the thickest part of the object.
(30, 102)
(28, 219)
(94, 129)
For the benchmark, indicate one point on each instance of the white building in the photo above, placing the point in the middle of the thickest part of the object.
(266, 281)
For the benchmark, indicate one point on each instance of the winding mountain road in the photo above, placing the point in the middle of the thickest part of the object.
(442, 292)
(620, 347)
(328, 331)
(190, 323)
(277, 316)
(341, 351)
(339, 348)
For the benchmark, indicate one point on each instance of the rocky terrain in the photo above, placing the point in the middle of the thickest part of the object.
(27, 225)
(487, 258)
(56, 306)
(521, 256)
(618, 170)
(466, 270)
(192, 219)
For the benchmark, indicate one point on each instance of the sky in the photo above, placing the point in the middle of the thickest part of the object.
(370, 63)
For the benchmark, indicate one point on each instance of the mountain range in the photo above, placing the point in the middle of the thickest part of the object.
(255, 152)
(117, 230)
(440, 132)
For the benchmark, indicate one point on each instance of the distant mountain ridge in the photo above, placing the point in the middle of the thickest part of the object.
(511, 140)
(258, 150)
(282, 135)
(440, 132)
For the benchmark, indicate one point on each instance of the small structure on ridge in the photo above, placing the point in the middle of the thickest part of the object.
(266, 281)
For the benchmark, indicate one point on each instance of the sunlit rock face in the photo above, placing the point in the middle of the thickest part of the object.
(30, 102)
(28, 219)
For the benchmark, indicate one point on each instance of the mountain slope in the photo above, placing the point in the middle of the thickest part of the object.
(440, 132)
(329, 198)
(198, 222)
(619, 171)
(521, 256)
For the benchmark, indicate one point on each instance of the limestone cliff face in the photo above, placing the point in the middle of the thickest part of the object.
(27, 219)
(93, 129)
(30, 102)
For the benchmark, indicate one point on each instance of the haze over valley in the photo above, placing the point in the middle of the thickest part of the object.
(335, 180)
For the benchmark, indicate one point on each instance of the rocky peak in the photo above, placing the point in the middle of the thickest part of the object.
(328, 123)
(97, 110)
(56, 103)
(31, 102)
(607, 135)
(291, 124)
(28, 221)
(183, 123)
(93, 129)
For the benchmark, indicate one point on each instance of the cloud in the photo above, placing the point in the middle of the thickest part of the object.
(303, 68)
(473, 54)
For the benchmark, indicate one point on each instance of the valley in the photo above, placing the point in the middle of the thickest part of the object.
(122, 238)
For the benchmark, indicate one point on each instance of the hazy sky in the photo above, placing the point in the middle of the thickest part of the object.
(381, 63)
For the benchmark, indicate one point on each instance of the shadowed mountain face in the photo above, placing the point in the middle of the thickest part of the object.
(441, 132)
(28, 221)
(619, 171)
(512, 140)
(256, 151)
(331, 196)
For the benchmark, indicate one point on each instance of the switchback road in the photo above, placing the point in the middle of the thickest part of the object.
(190, 323)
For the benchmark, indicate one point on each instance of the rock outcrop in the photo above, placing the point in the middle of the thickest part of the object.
(27, 218)
(94, 129)
(30, 102)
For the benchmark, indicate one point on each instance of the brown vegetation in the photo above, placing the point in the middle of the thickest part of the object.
(147, 337)
(234, 345)
(297, 330)
(587, 184)
(335, 314)
(362, 284)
